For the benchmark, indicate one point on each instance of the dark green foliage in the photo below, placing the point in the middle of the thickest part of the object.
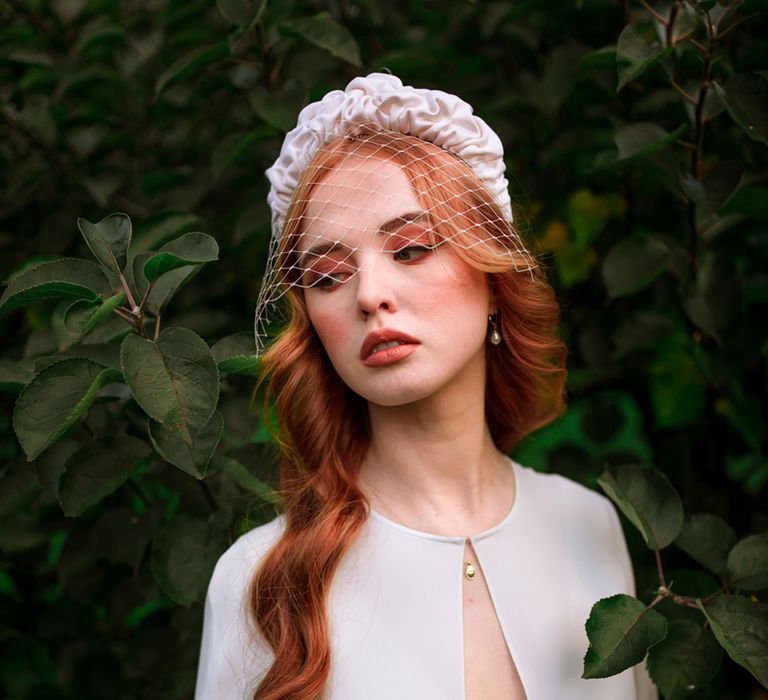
(636, 148)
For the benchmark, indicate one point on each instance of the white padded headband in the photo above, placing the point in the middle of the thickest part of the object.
(382, 100)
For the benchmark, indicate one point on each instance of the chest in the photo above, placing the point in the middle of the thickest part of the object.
(405, 622)
(490, 672)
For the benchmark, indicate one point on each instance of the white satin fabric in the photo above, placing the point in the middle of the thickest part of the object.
(381, 99)
(395, 604)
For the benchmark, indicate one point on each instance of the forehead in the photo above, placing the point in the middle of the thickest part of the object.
(352, 200)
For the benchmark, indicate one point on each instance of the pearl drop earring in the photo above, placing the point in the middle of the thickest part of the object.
(495, 335)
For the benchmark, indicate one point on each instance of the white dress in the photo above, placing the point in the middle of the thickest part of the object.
(395, 605)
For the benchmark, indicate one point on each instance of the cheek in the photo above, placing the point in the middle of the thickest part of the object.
(461, 292)
(329, 325)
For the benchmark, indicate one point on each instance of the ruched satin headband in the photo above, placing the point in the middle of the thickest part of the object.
(382, 100)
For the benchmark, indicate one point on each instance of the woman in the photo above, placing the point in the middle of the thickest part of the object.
(414, 558)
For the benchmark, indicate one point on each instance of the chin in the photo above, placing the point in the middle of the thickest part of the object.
(395, 391)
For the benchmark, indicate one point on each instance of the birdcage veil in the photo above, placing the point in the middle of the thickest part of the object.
(452, 159)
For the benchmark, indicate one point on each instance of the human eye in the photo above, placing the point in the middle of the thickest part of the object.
(326, 277)
(413, 252)
(327, 282)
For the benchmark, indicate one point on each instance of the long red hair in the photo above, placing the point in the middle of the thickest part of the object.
(323, 428)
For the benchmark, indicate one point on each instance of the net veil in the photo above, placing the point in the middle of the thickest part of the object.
(383, 173)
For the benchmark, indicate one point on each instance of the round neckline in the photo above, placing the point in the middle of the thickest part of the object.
(459, 538)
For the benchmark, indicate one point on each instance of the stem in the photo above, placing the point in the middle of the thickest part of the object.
(657, 16)
(730, 29)
(659, 568)
(157, 328)
(131, 301)
(698, 141)
(146, 296)
(702, 49)
(671, 25)
(733, 4)
(126, 316)
(679, 88)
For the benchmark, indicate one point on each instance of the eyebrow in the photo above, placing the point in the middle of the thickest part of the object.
(388, 227)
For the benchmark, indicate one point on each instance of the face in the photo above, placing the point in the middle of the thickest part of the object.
(400, 318)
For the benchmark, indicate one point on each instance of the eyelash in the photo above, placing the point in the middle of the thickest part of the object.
(318, 283)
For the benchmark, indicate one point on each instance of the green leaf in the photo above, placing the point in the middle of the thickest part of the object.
(634, 55)
(748, 563)
(190, 249)
(643, 138)
(685, 660)
(620, 630)
(193, 459)
(746, 99)
(14, 376)
(236, 354)
(174, 379)
(164, 287)
(647, 498)
(107, 354)
(326, 33)
(741, 627)
(184, 553)
(83, 316)
(708, 539)
(97, 469)
(55, 399)
(720, 184)
(108, 240)
(60, 279)
(239, 473)
(632, 264)
(237, 146)
(190, 64)
(279, 109)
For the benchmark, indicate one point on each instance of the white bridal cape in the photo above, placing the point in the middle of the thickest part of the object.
(395, 605)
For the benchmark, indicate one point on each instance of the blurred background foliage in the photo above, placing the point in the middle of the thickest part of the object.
(635, 139)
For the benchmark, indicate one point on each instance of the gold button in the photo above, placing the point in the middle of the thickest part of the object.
(469, 571)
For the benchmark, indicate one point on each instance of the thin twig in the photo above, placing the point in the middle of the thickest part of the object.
(682, 91)
(671, 25)
(736, 24)
(701, 48)
(143, 301)
(124, 315)
(128, 295)
(659, 568)
(677, 39)
(659, 17)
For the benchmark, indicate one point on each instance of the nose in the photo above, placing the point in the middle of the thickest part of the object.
(375, 291)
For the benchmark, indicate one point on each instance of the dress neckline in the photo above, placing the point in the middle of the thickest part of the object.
(459, 539)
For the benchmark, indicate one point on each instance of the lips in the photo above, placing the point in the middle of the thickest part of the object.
(376, 342)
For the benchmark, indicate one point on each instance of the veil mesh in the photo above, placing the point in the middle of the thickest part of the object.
(345, 213)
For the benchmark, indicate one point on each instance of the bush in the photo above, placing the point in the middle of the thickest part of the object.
(635, 140)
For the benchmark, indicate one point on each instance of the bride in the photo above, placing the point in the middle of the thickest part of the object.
(414, 558)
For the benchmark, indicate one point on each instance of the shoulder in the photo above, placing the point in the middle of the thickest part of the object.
(567, 496)
(233, 655)
(590, 527)
(236, 566)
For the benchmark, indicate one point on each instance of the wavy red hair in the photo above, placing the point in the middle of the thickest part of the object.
(323, 428)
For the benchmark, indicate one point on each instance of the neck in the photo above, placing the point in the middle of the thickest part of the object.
(432, 464)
